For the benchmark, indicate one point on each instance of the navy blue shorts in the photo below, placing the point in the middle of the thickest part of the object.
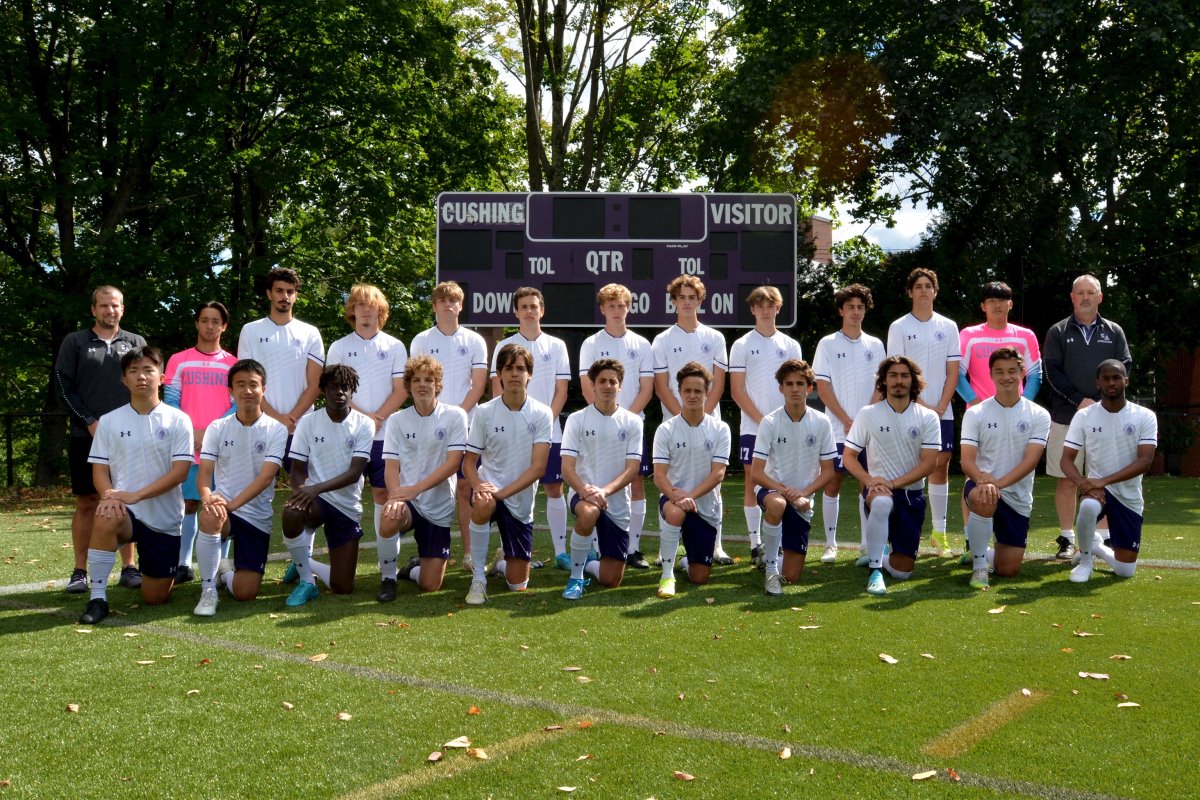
(433, 541)
(795, 526)
(553, 473)
(1124, 525)
(838, 466)
(647, 466)
(947, 426)
(339, 529)
(158, 552)
(516, 536)
(746, 447)
(287, 456)
(614, 542)
(250, 545)
(699, 537)
(905, 521)
(1009, 526)
(374, 469)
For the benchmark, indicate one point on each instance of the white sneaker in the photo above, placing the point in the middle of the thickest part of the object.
(721, 557)
(225, 566)
(1082, 571)
(207, 607)
(830, 554)
(477, 594)
(773, 585)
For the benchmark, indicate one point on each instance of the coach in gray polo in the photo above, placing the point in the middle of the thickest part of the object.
(1073, 350)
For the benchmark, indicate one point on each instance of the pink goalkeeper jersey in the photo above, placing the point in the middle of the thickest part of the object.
(197, 384)
(978, 342)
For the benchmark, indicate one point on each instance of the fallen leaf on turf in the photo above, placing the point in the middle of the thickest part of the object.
(586, 723)
(1097, 616)
(1074, 691)
(681, 695)
(930, 656)
(1027, 693)
(204, 662)
(653, 670)
(144, 663)
(287, 706)
(885, 658)
(1022, 613)
(716, 636)
(1129, 704)
(473, 710)
(524, 647)
(272, 616)
(130, 635)
(83, 630)
(343, 716)
(477, 753)
(192, 692)
(6, 783)
(684, 776)
(786, 728)
(785, 754)
(921, 776)
(808, 627)
(797, 608)
(167, 655)
(710, 600)
(1082, 634)
(585, 757)
(571, 669)
(1158, 577)
(1068, 650)
(258, 666)
(436, 755)
(1179, 538)
(459, 743)
(1055, 625)
(1121, 696)
(996, 610)
(953, 775)
(73, 708)
(553, 728)
(1120, 657)
(583, 679)
(567, 789)
(1099, 676)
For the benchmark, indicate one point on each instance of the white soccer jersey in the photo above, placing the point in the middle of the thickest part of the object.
(1110, 442)
(504, 441)
(378, 361)
(794, 449)
(894, 441)
(284, 351)
(460, 354)
(420, 445)
(849, 367)
(632, 350)
(758, 357)
(932, 344)
(675, 347)
(239, 452)
(328, 447)
(690, 451)
(138, 450)
(550, 365)
(602, 445)
(1001, 436)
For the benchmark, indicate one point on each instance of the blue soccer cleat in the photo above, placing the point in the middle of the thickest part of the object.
(875, 584)
(574, 590)
(303, 593)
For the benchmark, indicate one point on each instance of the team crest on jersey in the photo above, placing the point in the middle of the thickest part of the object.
(546, 357)
(122, 348)
(631, 355)
(622, 436)
(532, 429)
(161, 433)
(462, 349)
(914, 433)
(350, 442)
(440, 434)
(811, 440)
(382, 355)
(708, 444)
(706, 348)
(1128, 429)
(779, 352)
(260, 447)
(1023, 426)
(869, 356)
(297, 344)
(940, 336)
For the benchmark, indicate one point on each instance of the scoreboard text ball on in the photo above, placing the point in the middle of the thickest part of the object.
(569, 244)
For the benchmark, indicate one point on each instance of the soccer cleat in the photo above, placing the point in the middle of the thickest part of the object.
(862, 561)
(1065, 547)
(941, 544)
(563, 561)
(1075, 557)
(574, 590)
(225, 565)
(875, 584)
(637, 560)
(756, 558)
(387, 590)
(291, 574)
(493, 565)
(97, 609)
(184, 573)
(666, 588)
(534, 564)
(721, 557)
(865, 561)
(773, 586)
(658, 561)
(591, 556)
(979, 579)
(131, 577)
(207, 607)
(1082, 572)
(303, 593)
(965, 559)
(468, 563)
(77, 583)
(830, 554)
(477, 594)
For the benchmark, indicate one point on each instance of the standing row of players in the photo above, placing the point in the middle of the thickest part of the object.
(383, 386)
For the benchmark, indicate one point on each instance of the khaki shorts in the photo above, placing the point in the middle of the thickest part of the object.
(1054, 450)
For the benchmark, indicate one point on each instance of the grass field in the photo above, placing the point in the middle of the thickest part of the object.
(714, 683)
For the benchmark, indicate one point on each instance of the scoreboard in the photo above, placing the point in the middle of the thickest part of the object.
(569, 244)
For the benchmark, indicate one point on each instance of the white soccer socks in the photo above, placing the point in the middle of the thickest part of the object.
(556, 518)
(979, 533)
(876, 530)
(100, 564)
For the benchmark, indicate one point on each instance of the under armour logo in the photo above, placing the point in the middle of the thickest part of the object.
(410, 436)
(264, 339)
(676, 349)
(912, 337)
(352, 354)
(125, 434)
(498, 429)
(1097, 429)
(755, 352)
(589, 433)
(226, 443)
(885, 428)
(839, 355)
(680, 445)
(992, 425)
(781, 440)
(318, 439)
